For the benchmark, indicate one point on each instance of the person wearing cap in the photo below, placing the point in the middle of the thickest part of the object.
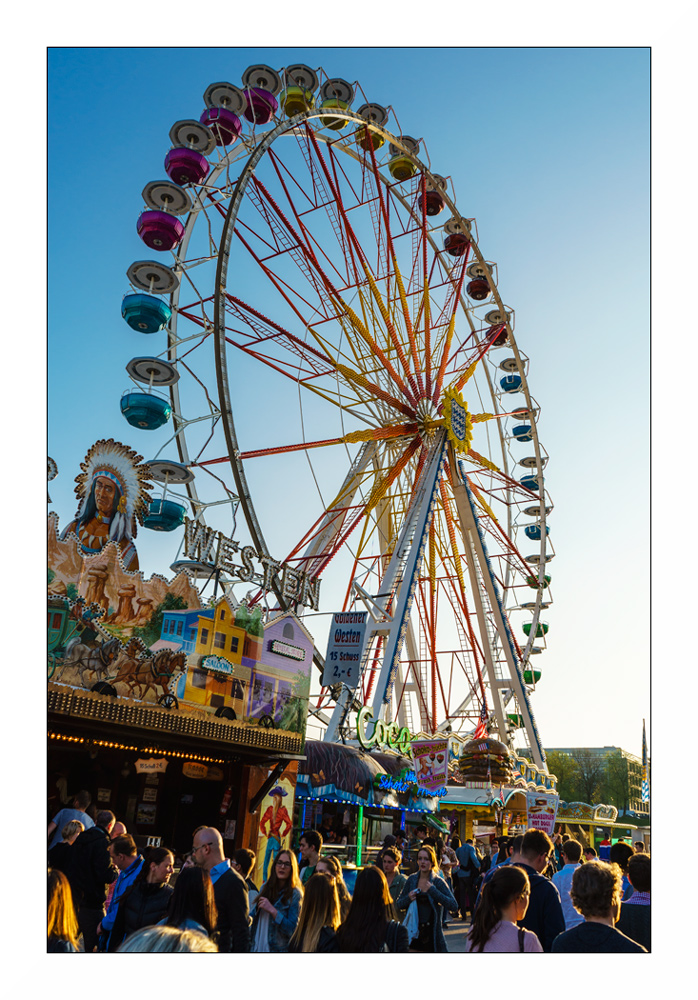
(275, 817)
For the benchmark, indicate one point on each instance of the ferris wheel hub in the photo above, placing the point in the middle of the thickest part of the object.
(427, 418)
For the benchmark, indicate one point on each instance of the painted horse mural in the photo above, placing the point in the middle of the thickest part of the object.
(97, 658)
(149, 672)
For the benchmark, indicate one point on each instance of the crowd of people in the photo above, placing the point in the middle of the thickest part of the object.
(525, 894)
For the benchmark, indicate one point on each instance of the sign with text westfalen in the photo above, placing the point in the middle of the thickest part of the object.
(345, 648)
(542, 810)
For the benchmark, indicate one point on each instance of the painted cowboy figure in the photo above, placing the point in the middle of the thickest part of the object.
(112, 494)
(275, 816)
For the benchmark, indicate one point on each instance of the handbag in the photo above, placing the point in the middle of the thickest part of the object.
(261, 937)
(411, 921)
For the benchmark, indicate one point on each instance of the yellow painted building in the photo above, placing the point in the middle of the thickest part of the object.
(220, 636)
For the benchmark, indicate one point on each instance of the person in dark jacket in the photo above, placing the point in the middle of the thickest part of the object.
(432, 896)
(229, 890)
(90, 871)
(369, 926)
(596, 892)
(320, 916)
(60, 855)
(193, 907)
(243, 861)
(635, 920)
(544, 916)
(145, 902)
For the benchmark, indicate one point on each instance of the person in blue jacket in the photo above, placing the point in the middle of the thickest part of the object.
(125, 856)
(276, 910)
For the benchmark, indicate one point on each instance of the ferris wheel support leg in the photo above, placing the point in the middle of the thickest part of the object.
(338, 715)
(414, 535)
(474, 539)
(399, 582)
(482, 624)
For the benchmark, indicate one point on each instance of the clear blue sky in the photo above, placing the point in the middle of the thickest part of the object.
(549, 150)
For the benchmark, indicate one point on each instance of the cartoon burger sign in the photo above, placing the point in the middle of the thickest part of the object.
(542, 810)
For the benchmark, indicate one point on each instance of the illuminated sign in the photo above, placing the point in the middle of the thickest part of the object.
(285, 649)
(203, 544)
(384, 734)
(406, 781)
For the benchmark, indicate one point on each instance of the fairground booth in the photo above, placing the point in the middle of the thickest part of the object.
(170, 712)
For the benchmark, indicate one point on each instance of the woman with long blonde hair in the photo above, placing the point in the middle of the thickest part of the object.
(331, 865)
(62, 922)
(276, 909)
(320, 916)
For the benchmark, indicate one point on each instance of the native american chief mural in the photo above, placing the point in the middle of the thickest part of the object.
(113, 499)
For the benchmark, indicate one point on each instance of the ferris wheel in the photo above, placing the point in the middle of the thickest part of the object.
(340, 370)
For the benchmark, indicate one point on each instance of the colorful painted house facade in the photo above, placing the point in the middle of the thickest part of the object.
(180, 629)
(237, 673)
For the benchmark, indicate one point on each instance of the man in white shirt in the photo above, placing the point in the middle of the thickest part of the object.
(570, 853)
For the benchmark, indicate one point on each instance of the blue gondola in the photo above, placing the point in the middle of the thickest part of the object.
(164, 515)
(145, 410)
(532, 482)
(522, 432)
(511, 383)
(533, 531)
(145, 313)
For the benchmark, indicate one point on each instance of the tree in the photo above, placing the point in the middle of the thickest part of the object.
(150, 632)
(591, 771)
(565, 769)
(623, 781)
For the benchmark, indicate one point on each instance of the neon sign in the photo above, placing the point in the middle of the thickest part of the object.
(384, 734)
(406, 782)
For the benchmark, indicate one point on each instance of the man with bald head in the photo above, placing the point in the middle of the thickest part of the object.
(229, 890)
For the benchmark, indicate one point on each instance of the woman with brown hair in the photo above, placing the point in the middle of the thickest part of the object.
(320, 916)
(146, 901)
(276, 909)
(369, 926)
(433, 897)
(193, 906)
(503, 901)
(390, 864)
(62, 922)
(331, 865)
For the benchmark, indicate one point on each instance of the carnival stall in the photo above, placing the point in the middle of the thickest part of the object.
(170, 713)
(493, 793)
(357, 796)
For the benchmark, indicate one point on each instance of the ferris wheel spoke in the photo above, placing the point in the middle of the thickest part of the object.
(379, 434)
(445, 354)
(344, 313)
(360, 327)
(375, 291)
